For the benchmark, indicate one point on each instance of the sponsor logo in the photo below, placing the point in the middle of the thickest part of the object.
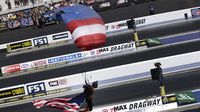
(19, 45)
(103, 50)
(122, 47)
(57, 82)
(24, 66)
(105, 110)
(141, 43)
(69, 57)
(40, 41)
(36, 88)
(92, 52)
(11, 68)
(120, 25)
(121, 1)
(138, 105)
(116, 48)
(140, 21)
(106, 4)
(12, 92)
(60, 36)
(40, 63)
(169, 99)
(53, 83)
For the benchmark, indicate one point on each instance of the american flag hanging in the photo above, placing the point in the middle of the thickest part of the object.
(57, 103)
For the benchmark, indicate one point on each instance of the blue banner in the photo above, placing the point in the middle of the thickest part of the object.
(13, 24)
(70, 57)
(50, 17)
(197, 95)
(195, 12)
(26, 21)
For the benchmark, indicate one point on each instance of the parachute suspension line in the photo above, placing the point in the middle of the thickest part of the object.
(84, 75)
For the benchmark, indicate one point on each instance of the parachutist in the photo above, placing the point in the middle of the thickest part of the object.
(66, 104)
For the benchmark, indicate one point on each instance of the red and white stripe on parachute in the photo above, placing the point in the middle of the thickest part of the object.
(86, 26)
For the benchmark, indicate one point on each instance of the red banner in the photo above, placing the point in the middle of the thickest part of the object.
(11, 68)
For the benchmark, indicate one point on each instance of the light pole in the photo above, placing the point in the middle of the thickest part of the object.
(132, 25)
(157, 74)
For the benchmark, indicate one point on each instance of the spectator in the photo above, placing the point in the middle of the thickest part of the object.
(16, 3)
(82, 2)
(0, 8)
(34, 17)
(26, 2)
(8, 3)
(32, 1)
(21, 2)
(151, 10)
(3, 18)
(39, 1)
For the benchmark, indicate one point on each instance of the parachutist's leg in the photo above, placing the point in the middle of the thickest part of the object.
(89, 104)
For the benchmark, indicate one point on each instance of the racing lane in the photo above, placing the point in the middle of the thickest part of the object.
(129, 92)
(115, 38)
(140, 56)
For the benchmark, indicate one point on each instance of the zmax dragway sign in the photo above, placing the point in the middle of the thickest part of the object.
(133, 106)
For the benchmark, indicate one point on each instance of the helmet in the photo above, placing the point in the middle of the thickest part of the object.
(95, 84)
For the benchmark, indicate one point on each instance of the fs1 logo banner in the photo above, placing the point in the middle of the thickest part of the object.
(36, 88)
(40, 41)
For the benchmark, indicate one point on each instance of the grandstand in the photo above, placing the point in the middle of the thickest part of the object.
(22, 6)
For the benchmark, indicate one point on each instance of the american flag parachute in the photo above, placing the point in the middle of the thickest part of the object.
(85, 25)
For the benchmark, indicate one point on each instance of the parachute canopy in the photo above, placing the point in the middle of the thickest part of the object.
(85, 25)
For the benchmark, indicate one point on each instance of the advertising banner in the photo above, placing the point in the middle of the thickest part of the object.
(39, 63)
(116, 26)
(19, 45)
(195, 12)
(153, 42)
(54, 84)
(12, 92)
(11, 68)
(3, 26)
(122, 3)
(169, 99)
(26, 65)
(197, 95)
(36, 88)
(26, 21)
(13, 24)
(185, 98)
(39, 41)
(141, 44)
(50, 17)
(111, 49)
(103, 5)
(68, 57)
(60, 36)
(122, 25)
(141, 106)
